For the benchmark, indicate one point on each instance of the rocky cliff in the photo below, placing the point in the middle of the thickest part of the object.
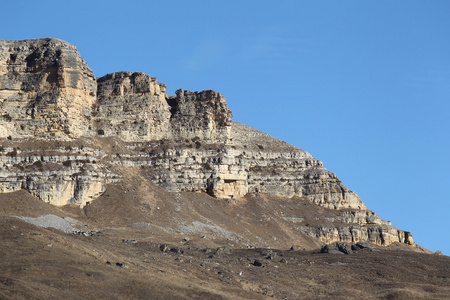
(46, 90)
(66, 135)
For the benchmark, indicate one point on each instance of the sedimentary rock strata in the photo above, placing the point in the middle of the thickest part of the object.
(182, 142)
(131, 106)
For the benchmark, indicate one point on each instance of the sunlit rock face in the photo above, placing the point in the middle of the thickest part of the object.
(132, 107)
(46, 90)
(135, 108)
(200, 115)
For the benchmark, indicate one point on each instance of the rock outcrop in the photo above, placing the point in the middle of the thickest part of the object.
(46, 90)
(57, 174)
(135, 108)
(200, 115)
(66, 135)
(131, 106)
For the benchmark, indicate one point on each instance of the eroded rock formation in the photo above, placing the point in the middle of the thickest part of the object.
(131, 106)
(46, 90)
(66, 135)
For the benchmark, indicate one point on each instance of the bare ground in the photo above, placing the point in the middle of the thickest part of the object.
(140, 242)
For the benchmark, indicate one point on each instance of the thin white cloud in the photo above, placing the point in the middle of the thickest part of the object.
(206, 53)
(269, 48)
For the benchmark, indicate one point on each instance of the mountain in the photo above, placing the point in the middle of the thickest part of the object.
(99, 160)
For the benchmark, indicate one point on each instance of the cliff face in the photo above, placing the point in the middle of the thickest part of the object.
(66, 135)
(248, 162)
(131, 106)
(46, 90)
(135, 108)
(200, 115)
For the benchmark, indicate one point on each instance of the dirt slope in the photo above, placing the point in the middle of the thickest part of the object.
(195, 247)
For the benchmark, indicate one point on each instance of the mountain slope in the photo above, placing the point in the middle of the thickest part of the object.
(110, 187)
(68, 135)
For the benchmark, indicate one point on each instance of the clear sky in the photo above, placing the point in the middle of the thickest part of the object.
(364, 86)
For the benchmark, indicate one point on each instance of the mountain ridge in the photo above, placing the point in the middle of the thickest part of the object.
(67, 135)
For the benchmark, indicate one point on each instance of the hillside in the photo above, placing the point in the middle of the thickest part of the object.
(166, 197)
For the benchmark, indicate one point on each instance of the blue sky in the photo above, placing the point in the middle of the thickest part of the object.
(363, 86)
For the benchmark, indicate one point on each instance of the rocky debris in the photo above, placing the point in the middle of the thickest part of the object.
(128, 241)
(117, 264)
(296, 248)
(180, 259)
(6, 281)
(337, 248)
(223, 250)
(85, 232)
(65, 224)
(177, 250)
(185, 240)
(199, 227)
(257, 263)
(164, 248)
(269, 254)
(167, 248)
(359, 246)
(331, 249)
(344, 248)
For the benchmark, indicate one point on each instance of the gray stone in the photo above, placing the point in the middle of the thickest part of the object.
(363, 245)
(164, 248)
(257, 263)
(128, 241)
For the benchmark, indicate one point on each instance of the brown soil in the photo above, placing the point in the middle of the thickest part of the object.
(151, 244)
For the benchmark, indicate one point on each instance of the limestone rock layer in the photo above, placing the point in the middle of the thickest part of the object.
(66, 135)
(46, 90)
